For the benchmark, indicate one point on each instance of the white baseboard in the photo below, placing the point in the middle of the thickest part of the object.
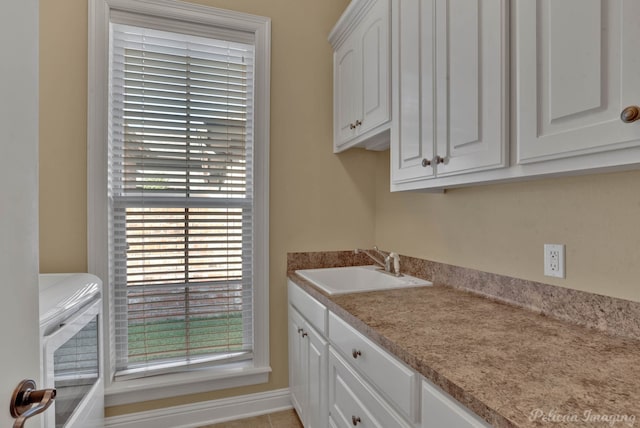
(206, 413)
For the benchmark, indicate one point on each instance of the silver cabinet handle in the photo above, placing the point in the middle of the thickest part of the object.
(355, 420)
(438, 160)
(356, 353)
(352, 126)
(358, 122)
(630, 114)
(426, 162)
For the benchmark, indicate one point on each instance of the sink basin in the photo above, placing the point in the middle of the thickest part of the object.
(357, 279)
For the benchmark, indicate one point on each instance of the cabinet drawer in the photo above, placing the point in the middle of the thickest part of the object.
(397, 382)
(353, 403)
(441, 410)
(314, 311)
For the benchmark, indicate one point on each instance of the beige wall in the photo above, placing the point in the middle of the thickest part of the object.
(502, 228)
(319, 201)
(63, 136)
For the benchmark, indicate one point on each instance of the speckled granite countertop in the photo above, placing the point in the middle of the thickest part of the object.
(511, 366)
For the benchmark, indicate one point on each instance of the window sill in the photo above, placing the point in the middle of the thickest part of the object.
(193, 382)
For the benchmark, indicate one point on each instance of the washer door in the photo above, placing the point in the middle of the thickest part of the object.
(71, 363)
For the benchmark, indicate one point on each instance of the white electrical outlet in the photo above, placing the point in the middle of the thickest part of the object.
(554, 260)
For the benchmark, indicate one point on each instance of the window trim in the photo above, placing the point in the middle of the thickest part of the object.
(232, 375)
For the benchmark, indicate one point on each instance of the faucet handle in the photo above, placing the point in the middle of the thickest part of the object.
(396, 262)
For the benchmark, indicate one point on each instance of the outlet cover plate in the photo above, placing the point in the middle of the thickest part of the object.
(554, 260)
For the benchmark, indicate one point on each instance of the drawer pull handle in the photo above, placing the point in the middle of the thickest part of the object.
(355, 420)
(358, 122)
(426, 162)
(352, 126)
(304, 334)
(356, 353)
(300, 330)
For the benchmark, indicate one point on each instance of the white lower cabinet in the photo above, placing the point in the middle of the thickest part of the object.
(391, 378)
(297, 381)
(307, 371)
(308, 356)
(339, 378)
(318, 349)
(353, 402)
(440, 410)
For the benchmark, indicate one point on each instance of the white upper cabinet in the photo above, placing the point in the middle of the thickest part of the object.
(346, 92)
(450, 93)
(472, 85)
(578, 68)
(413, 59)
(571, 93)
(362, 80)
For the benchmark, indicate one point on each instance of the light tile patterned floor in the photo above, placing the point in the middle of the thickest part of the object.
(284, 419)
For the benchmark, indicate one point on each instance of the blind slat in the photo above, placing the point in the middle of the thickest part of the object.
(164, 93)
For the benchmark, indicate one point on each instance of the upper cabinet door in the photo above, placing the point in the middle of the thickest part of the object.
(347, 91)
(578, 67)
(374, 72)
(451, 98)
(472, 85)
(413, 130)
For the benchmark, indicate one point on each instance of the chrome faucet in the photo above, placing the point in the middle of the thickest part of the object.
(381, 262)
(384, 260)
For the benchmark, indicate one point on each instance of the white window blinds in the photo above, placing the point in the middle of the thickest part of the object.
(180, 199)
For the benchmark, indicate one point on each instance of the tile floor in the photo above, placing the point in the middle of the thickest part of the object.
(284, 419)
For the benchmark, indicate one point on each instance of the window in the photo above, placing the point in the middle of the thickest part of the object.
(178, 156)
(181, 188)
